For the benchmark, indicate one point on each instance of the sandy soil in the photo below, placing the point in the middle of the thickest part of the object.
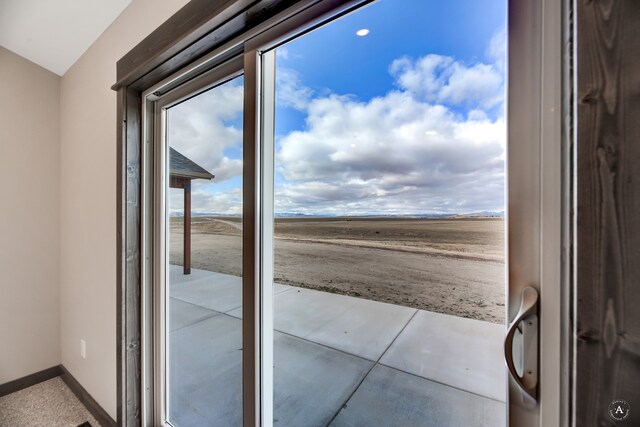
(452, 266)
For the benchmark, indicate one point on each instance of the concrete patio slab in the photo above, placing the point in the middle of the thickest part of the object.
(176, 275)
(211, 290)
(433, 369)
(357, 326)
(182, 414)
(312, 382)
(183, 314)
(205, 370)
(219, 292)
(463, 353)
(389, 397)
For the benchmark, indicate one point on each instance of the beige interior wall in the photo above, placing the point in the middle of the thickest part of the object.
(88, 199)
(29, 217)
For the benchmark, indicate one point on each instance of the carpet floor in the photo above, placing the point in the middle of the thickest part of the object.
(50, 403)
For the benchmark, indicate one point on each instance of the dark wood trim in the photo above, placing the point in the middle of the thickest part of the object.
(121, 110)
(29, 380)
(134, 261)
(129, 324)
(194, 31)
(608, 215)
(196, 19)
(87, 400)
(567, 416)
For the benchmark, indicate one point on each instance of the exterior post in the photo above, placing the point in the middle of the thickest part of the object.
(186, 264)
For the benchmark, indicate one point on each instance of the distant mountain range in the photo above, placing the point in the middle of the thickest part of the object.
(483, 213)
(497, 214)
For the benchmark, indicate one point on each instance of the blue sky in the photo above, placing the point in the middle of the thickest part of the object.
(334, 57)
(405, 120)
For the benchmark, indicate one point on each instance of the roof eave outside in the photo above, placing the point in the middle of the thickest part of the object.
(192, 175)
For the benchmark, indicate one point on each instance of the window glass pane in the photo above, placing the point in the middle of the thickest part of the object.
(204, 290)
(389, 230)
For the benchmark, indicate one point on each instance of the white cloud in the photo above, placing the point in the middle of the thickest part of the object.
(393, 154)
(227, 168)
(282, 53)
(290, 92)
(199, 129)
(497, 50)
(442, 79)
(409, 151)
(227, 202)
(412, 150)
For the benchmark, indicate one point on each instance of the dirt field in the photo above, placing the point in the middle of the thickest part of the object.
(453, 266)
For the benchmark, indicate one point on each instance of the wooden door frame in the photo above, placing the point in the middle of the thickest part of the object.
(199, 29)
(607, 200)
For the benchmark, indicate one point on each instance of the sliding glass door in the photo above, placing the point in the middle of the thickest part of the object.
(200, 174)
(335, 235)
(389, 266)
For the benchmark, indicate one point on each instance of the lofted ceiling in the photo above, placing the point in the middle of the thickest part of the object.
(55, 33)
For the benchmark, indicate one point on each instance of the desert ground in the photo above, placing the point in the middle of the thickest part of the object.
(448, 265)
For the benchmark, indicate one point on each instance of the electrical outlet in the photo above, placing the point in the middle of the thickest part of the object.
(83, 349)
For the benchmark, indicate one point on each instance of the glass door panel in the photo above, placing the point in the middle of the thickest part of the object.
(388, 234)
(203, 328)
(389, 260)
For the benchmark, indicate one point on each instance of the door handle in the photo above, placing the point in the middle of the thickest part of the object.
(525, 321)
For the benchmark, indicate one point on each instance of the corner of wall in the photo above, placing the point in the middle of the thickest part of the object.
(29, 225)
